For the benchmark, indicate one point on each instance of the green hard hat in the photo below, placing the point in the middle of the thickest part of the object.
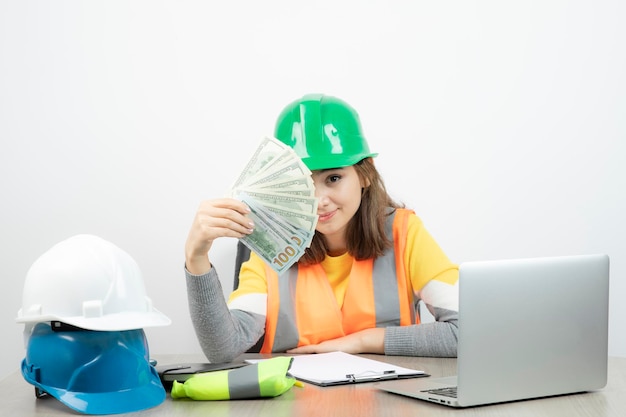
(324, 131)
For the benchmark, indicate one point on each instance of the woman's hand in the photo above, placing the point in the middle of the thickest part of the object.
(365, 341)
(225, 217)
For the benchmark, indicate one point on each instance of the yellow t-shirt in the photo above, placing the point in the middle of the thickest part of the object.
(423, 259)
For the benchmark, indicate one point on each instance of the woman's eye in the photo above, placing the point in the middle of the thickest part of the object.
(333, 178)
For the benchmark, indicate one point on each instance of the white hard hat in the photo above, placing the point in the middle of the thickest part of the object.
(88, 282)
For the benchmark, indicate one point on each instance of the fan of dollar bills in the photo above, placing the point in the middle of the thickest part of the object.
(279, 190)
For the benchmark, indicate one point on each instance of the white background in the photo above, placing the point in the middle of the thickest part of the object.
(501, 123)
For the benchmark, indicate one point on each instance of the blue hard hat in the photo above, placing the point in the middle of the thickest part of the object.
(93, 372)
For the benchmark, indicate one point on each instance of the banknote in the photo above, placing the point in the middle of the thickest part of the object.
(303, 220)
(279, 189)
(268, 150)
(286, 201)
(295, 169)
(289, 224)
(304, 183)
(286, 156)
(271, 240)
(283, 191)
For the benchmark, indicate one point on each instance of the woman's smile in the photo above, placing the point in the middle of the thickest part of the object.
(326, 216)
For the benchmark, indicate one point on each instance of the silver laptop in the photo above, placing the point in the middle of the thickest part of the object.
(528, 328)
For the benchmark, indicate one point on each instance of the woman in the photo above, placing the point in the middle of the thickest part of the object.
(357, 286)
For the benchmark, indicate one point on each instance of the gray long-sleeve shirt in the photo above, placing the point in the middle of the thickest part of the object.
(224, 334)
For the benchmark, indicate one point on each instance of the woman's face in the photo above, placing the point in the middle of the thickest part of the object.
(339, 193)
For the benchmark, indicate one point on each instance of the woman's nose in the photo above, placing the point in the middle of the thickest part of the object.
(322, 197)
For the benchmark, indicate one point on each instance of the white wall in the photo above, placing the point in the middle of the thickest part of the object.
(501, 123)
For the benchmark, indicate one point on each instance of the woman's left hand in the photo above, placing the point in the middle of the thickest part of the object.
(365, 341)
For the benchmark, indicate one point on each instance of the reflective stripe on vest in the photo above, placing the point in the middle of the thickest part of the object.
(302, 308)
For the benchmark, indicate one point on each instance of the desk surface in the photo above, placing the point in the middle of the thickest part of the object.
(17, 398)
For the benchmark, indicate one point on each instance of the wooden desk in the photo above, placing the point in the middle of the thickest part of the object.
(359, 400)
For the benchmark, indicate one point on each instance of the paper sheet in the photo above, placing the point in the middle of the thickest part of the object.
(343, 368)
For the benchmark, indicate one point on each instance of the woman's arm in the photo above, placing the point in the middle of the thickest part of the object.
(434, 279)
(437, 339)
(225, 217)
(223, 334)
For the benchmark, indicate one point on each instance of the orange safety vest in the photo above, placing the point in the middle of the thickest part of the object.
(302, 308)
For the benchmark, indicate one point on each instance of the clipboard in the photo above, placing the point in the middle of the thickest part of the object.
(340, 368)
(182, 371)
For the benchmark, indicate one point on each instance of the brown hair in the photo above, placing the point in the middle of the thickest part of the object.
(366, 237)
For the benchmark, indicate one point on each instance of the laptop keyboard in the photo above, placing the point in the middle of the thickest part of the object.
(446, 392)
